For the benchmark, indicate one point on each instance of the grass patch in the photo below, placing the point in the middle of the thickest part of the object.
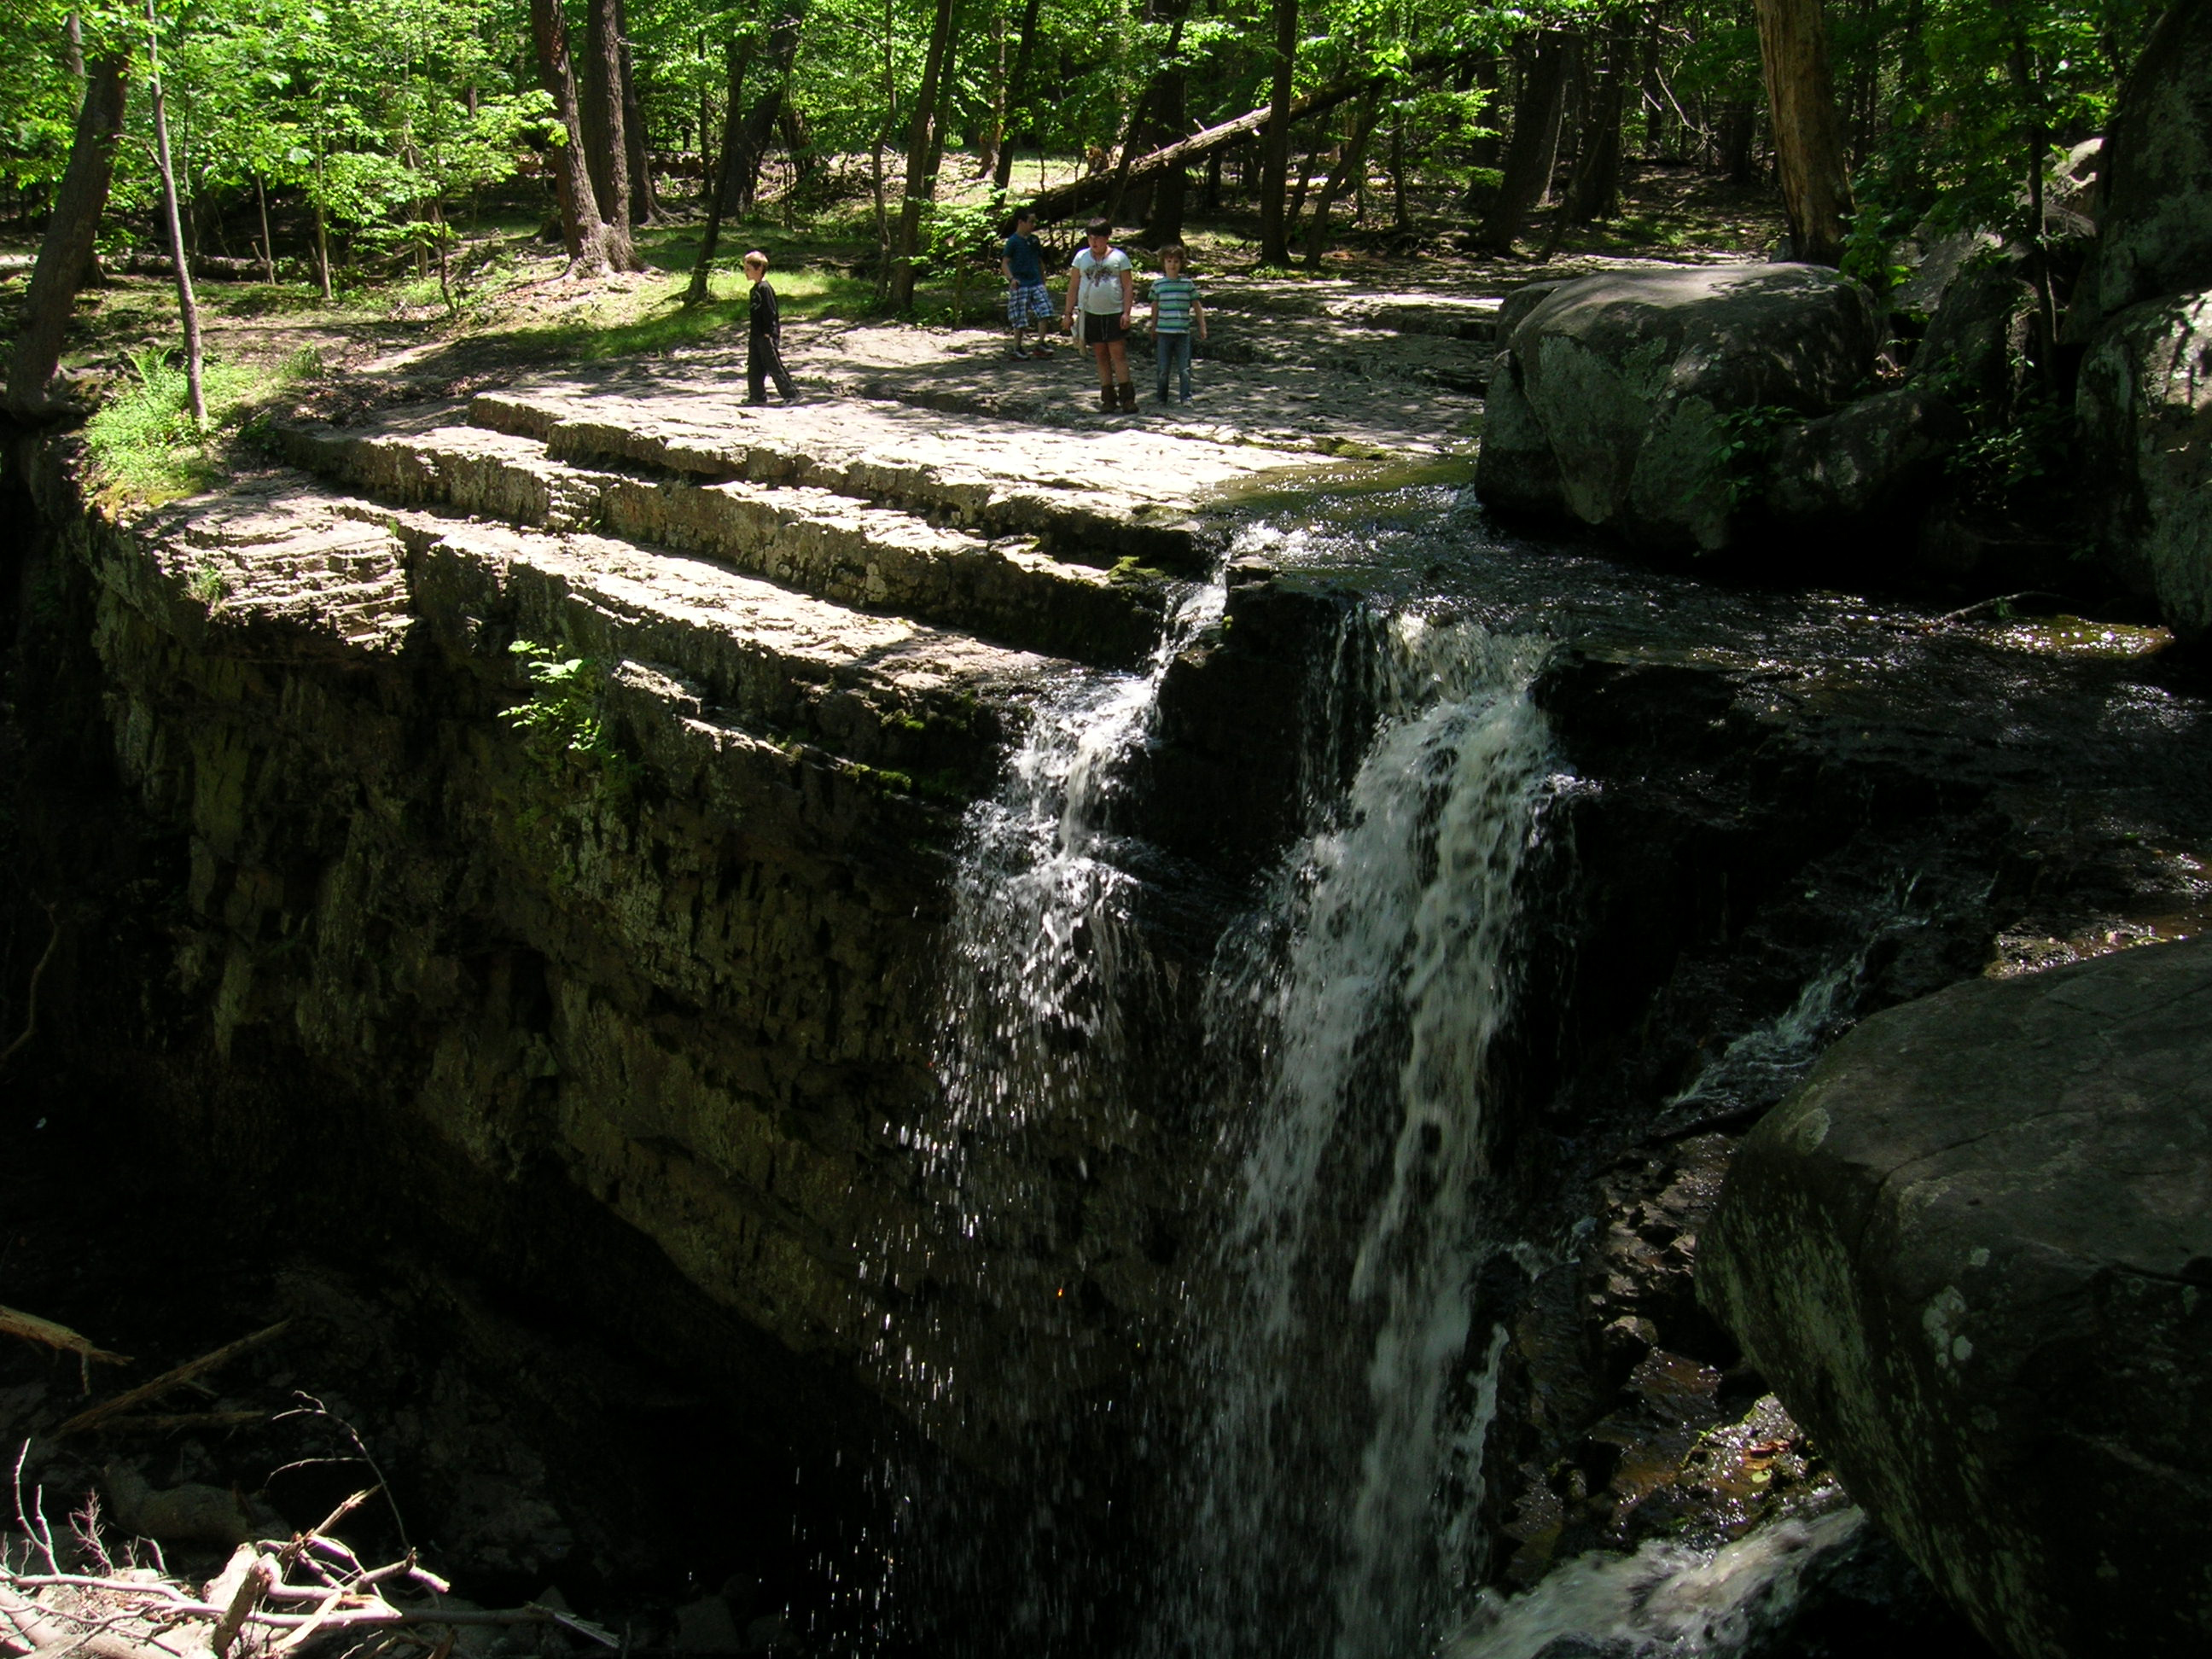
(144, 445)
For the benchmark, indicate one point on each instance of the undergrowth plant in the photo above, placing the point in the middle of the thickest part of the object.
(144, 445)
(564, 723)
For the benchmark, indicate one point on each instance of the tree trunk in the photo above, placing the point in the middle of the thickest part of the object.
(697, 291)
(1171, 188)
(608, 159)
(268, 247)
(1275, 171)
(1352, 161)
(1534, 147)
(741, 184)
(994, 137)
(1153, 101)
(1594, 192)
(1208, 145)
(645, 202)
(1018, 94)
(919, 184)
(71, 232)
(188, 309)
(1808, 139)
(595, 247)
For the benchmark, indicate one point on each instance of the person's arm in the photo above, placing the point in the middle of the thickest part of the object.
(1128, 294)
(1197, 313)
(1074, 288)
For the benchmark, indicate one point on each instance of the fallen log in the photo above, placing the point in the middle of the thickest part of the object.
(1063, 199)
(32, 1328)
(168, 1380)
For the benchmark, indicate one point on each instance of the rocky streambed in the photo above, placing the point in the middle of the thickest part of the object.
(906, 1033)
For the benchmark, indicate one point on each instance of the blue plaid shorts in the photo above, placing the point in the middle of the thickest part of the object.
(1027, 303)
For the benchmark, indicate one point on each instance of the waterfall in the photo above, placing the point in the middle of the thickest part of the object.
(1335, 1483)
(1337, 1385)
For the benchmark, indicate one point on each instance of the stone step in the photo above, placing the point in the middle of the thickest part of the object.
(915, 707)
(833, 546)
(1098, 497)
(905, 708)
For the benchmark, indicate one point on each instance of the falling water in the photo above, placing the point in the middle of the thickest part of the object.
(1666, 1600)
(1335, 1483)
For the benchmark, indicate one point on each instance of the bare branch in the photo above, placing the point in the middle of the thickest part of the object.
(168, 1380)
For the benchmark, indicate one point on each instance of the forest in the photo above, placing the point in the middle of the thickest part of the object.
(358, 142)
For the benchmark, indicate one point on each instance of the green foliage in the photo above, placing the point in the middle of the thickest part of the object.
(1747, 438)
(2011, 448)
(145, 446)
(565, 732)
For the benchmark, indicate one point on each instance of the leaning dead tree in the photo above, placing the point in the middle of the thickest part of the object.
(1079, 193)
(66, 253)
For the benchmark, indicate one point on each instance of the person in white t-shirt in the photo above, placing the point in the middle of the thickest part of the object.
(1101, 288)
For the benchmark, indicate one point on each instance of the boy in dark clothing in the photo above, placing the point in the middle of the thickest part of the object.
(764, 336)
(1027, 302)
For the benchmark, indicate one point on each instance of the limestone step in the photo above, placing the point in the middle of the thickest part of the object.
(908, 708)
(918, 707)
(1096, 496)
(833, 546)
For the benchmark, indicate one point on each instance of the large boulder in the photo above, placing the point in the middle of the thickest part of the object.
(2143, 407)
(1607, 401)
(1973, 1255)
(1881, 455)
(2155, 198)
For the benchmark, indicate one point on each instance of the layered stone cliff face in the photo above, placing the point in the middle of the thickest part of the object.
(566, 992)
(637, 1006)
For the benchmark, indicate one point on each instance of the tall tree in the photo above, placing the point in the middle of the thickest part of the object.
(1016, 95)
(606, 153)
(1351, 162)
(736, 56)
(1808, 133)
(644, 204)
(1275, 145)
(1534, 150)
(922, 142)
(1594, 190)
(188, 309)
(741, 182)
(71, 230)
(595, 247)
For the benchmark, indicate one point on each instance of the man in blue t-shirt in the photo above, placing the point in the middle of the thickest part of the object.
(1027, 303)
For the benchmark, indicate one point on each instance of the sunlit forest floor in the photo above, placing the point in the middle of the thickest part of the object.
(397, 333)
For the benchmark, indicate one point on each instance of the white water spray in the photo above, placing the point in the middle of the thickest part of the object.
(1350, 1399)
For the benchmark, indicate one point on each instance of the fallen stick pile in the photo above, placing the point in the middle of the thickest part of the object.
(275, 1597)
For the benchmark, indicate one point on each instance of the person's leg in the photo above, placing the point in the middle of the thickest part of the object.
(1163, 354)
(1184, 362)
(1102, 354)
(755, 370)
(783, 386)
(1124, 392)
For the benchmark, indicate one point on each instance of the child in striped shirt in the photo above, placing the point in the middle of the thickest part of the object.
(1176, 306)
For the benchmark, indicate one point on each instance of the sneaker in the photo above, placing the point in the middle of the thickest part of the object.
(1021, 356)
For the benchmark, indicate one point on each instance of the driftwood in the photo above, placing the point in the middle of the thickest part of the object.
(168, 1380)
(32, 1328)
(274, 1598)
(1063, 199)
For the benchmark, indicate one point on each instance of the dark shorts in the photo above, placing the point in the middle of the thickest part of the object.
(1101, 328)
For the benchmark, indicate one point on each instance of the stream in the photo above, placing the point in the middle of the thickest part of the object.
(1382, 1010)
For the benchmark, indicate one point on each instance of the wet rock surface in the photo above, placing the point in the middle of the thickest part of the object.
(1968, 1251)
(651, 1045)
(2145, 407)
(2155, 207)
